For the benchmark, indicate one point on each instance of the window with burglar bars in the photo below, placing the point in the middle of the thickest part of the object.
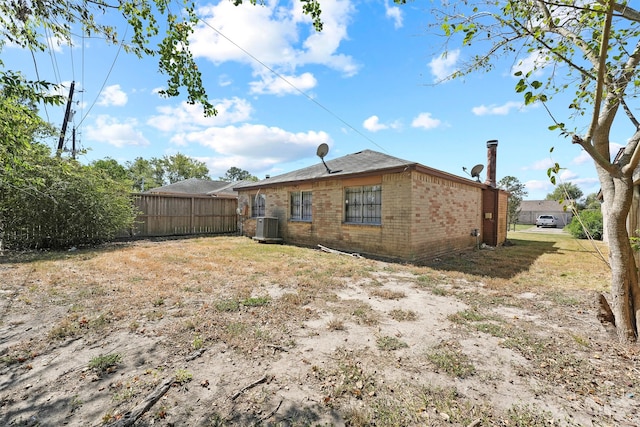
(257, 205)
(363, 205)
(301, 205)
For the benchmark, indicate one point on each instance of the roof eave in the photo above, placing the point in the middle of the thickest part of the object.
(395, 169)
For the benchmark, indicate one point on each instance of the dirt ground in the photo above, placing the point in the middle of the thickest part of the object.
(399, 345)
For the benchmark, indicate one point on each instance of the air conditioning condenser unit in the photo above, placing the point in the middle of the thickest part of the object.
(267, 230)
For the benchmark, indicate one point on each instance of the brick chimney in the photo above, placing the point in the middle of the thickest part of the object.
(492, 147)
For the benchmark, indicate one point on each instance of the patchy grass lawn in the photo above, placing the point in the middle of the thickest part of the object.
(225, 331)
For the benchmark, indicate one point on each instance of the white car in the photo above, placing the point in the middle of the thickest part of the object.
(547, 221)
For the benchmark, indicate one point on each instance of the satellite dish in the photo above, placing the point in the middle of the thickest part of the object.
(323, 149)
(475, 172)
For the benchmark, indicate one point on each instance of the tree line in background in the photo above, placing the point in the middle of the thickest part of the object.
(144, 174)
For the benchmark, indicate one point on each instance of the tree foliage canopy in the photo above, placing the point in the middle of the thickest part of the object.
(587, 224)
(565, 191)
(156, 172)
(517, 192)
(234, 174)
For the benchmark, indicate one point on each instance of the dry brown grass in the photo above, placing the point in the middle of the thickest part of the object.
(536, 262)
(254, 301)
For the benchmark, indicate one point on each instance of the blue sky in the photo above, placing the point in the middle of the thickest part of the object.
(366, 82)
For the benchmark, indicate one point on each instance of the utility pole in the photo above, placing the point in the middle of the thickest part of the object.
(66, 120)
(73, 147)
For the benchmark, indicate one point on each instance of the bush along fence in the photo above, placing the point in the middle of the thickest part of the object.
(59, 224)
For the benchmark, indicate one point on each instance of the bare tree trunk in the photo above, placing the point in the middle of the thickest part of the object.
(625, 294)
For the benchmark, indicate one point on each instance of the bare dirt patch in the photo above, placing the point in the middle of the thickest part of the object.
(242, 333)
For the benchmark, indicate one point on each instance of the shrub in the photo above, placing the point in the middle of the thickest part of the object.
(62, 204)
(592, 221)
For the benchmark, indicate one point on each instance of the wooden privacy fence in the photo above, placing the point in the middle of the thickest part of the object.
(171, 215)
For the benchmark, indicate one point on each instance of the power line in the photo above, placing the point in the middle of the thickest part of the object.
(113, 63)
(52, 55)
(35, 65)
(335, 115)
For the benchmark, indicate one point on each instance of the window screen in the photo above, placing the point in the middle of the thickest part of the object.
(363, 204)
(258, 202)
(301, 202)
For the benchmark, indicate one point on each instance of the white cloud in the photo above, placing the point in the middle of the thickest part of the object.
(189, 117)
(56, 44)
(224, 80)
(587, 185)
(543, 164)
(218, 166)
(259, 143)
(614, 148)
(567, 175)
(425, 121)
(113, 95)
(109, 130)
(394, 13)
(537, 186)
(497, 110)
(535, 61)
(446, 64)
(273, 36)
(274, 85)
(582, 158)
(373, 124)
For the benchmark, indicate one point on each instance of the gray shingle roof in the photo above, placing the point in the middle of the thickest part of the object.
(356, 163)
(229, 188)
(550, 206)
(192, 186)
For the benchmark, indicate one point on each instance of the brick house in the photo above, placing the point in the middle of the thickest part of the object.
(378, 205)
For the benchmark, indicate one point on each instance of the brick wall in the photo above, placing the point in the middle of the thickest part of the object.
(503, 199)
(422, 216)
(444, 213)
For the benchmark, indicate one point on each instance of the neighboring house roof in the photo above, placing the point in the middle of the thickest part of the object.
(366, 162)
(228, 190)
(549, 206)
(196, 186)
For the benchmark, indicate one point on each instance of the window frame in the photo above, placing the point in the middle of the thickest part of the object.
(359, 201)
(303, 205)
(258, 207)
